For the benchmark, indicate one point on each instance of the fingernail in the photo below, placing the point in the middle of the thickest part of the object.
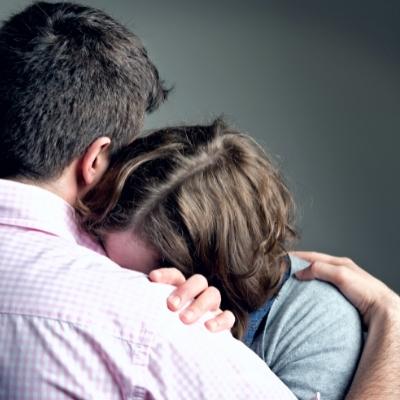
(212, 325)
(188, 315)
(174, 300)
(155, 275)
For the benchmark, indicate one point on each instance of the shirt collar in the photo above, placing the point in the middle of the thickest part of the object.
(256, 320)
(31, 207)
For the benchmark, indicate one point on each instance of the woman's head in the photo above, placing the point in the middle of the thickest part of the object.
(205, 199)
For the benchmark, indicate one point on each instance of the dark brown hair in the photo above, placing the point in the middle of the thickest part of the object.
(210, 201)
(68, 75)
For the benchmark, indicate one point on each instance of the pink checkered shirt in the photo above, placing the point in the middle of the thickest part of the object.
(74, 325)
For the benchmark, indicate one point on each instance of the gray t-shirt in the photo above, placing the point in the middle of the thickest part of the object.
(312, 338)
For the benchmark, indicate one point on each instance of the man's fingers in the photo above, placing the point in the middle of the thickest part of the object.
(187, 291)
(223, 321)
(313, 256)
(209, 300)
(324, 272)
(170, 276)
(370, 295)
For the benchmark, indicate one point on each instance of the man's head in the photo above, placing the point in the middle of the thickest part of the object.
(69, 75)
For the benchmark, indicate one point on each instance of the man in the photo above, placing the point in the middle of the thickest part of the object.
(74, 87)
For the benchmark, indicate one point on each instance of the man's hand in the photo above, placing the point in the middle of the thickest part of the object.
(371, 296)
(205, 298)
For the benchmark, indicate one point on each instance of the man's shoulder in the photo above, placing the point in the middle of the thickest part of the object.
(69, 283)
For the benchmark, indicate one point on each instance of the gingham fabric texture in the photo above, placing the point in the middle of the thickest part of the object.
(74, 325)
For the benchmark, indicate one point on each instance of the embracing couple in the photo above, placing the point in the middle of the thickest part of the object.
(89, 210)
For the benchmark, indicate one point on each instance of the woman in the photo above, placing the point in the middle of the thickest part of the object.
(206, 199)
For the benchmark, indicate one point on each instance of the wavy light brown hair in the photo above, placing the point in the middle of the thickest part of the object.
(210, 201)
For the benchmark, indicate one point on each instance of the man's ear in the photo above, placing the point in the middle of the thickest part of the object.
(94, 163)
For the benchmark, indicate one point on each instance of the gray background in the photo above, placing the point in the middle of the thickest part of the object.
(316, 82)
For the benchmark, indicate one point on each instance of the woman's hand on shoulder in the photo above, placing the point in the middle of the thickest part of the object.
(204, 299)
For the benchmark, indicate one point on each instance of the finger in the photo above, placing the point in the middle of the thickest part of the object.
(223, 321)
(325, 272)
(170, 276)
(208, 300)
(313, 256)
(188, 290)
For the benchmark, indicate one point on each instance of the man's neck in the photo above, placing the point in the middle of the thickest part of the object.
(64, 186)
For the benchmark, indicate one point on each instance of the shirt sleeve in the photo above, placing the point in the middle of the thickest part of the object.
(188, 362)
(314, 341)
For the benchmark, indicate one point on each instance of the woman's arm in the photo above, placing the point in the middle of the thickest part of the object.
(378, 373)
(312, 338)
